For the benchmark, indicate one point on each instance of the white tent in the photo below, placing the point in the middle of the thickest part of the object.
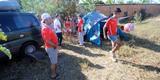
(9, 5)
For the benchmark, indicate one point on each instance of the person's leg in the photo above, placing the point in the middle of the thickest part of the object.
(59, 35)
(113, 44)
(81, 38)
(53, 56)
(70, 36)
(60, 38)
(54, 63)
(112, 39)
(53, 70)
(117, 46)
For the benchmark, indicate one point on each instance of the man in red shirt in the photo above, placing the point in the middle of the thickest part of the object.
(50, 41)
(80, 30)
(112, 27)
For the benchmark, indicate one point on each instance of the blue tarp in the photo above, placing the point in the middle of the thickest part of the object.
(92, 26)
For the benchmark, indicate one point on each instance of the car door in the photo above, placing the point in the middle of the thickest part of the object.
(28, 26)
(8, 26)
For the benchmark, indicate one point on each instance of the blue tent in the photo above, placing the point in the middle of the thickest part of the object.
(93, 25)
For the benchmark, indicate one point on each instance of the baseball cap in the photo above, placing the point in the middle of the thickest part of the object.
(45, 16)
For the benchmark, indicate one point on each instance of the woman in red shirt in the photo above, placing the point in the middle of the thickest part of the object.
(68, 29)
(80, 30)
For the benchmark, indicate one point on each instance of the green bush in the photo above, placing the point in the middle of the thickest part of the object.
(138, 17)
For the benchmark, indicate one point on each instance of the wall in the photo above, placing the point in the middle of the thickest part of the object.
(152, 9)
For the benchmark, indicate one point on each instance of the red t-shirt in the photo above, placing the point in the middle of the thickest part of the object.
(80, 25)
(111, 25)
(68, 24)
(48, 34)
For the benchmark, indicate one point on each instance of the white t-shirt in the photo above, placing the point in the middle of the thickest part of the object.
(52, 26)
(57, 26)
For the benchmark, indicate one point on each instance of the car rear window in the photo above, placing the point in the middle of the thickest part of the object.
(25, 21)
(7, 23)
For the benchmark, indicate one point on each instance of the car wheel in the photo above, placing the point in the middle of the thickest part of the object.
(29, 48)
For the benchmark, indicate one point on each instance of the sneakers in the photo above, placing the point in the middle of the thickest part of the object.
(113, 56)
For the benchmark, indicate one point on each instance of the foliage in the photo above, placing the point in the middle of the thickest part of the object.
(38, 6)
(68, 9)
(130, 2)
(99, 2)
(89, 5)
(138, 17)
(3, 49)
(144, 1)
(139, 1)
(120, 1)
(110, 2)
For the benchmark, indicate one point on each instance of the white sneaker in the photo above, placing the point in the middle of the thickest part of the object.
(113, 56)
(114, 59)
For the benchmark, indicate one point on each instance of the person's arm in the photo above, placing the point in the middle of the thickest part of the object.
(49, 40)
(104, 28)
(104, 31)
(52, 44)
(82, 24)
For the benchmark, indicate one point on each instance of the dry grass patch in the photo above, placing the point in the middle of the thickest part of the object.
(126, 51)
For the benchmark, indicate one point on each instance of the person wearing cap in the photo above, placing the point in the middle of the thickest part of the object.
(50, 42)
(80, 30)
(58, 29)
(112, 26)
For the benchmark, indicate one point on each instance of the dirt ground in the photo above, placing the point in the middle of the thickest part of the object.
(139, 60)
(81, 63)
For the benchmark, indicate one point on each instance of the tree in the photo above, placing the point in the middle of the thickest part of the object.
(110, 2)
(144, 1)
(88, 5)
(3, 49)
(38, 6)
(130, 2)
(66, 7)
(99, 2)
(120, 1)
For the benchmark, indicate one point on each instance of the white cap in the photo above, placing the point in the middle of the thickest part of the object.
(45, 16)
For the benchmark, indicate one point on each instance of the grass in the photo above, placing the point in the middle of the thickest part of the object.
(139, 59)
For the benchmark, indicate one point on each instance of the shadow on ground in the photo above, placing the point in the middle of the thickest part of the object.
(145, 43)
(145, 67)
(81, 50)
(25, 70)
(70, 67)
(105, 45)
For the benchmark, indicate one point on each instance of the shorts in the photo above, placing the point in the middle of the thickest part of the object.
(53, 55)
(113, 38)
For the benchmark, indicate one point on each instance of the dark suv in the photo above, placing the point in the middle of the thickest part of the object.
(23, 32)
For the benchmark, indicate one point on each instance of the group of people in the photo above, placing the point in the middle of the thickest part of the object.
(51, 31)
(52, 35)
